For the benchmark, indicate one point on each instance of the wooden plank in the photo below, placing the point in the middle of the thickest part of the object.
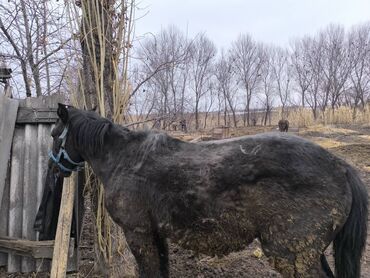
(28, 175)
(44, 108)
(16, 195)
(4, 215)
(43, 102)
(29, 191)
(8, 112)
(34, 249)
(39, 110)
(28, 115)
(8, 91)
(43, 142)
(60, 255)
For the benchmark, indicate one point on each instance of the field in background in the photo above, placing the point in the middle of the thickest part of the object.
(297, 117)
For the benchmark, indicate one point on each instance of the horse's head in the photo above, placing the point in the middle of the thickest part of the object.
(64, 154)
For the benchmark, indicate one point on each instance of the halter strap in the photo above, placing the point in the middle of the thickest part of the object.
(62, 154)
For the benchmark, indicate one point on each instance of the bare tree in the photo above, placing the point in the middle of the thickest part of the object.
(203, 52)
(30, 32)
(301, 70)
(359, 41)
(248, 63)
(336, 63)
(227, 86)
(315, 97)
(209, 99)
(165, 68)
(267, 82)
(282, 71)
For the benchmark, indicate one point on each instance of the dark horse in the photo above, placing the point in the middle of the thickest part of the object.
(283, 125)
(216, 197)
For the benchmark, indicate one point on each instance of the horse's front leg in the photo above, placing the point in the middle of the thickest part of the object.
(131, 211)
(149, 248)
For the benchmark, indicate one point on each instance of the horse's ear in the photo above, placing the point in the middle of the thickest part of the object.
(94, 108)
(63, 112)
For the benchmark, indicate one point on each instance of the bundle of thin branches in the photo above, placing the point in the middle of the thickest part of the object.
(105, 34)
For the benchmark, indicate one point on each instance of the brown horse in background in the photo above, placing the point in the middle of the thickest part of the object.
(283, 125)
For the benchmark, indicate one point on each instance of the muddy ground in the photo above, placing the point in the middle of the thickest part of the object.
(352, 143)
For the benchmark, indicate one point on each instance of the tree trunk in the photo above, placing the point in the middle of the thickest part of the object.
(97, 51)
(247, 108)
(97, 89)
(196, 114)
(225, 113)
(266, 114)
(34, 68)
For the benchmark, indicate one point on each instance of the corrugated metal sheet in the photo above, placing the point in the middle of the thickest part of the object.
(24, 185)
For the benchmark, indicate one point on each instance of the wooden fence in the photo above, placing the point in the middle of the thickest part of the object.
(25, 127)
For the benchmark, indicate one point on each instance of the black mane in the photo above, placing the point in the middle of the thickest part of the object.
(88, 130)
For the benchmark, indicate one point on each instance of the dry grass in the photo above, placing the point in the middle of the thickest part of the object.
(297, 117)
(328, 130)
(303, 117)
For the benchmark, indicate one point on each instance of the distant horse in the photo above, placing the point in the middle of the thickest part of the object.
(283, 125)
(216, 197)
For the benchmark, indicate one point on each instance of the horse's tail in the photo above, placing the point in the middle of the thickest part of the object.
(350, 242)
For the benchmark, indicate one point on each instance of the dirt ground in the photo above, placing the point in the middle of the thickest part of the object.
(351, 143)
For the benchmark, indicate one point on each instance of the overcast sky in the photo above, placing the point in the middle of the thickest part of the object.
(270, 21)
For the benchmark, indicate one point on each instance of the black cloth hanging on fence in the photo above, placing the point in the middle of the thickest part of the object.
(46, 220)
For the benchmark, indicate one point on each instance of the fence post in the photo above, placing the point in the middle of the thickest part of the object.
(62, 237)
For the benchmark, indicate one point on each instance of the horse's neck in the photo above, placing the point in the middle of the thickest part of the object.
(102, 160)
(116, 150)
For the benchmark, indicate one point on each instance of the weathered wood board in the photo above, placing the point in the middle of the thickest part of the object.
(30, 248)
(16, 195)
(25, 127)
(8, 113)
(61, 249)
(28, 115)
(35, 249)
(28, 167)
(4, 217)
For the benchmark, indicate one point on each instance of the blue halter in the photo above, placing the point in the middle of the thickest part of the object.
(62, 154)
